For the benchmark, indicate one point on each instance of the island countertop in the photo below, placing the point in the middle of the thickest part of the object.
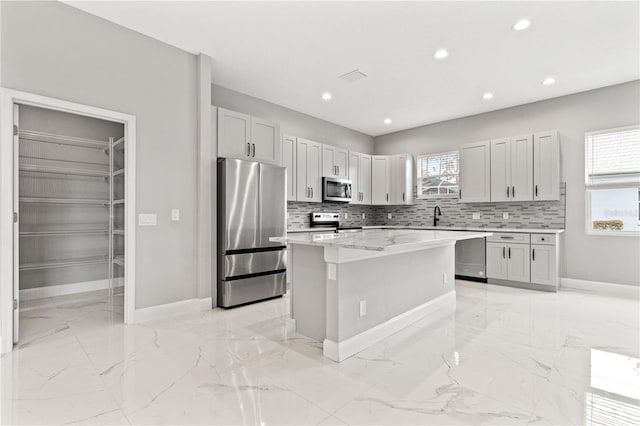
(382, 239)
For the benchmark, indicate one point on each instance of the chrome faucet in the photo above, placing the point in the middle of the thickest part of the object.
(436, 213)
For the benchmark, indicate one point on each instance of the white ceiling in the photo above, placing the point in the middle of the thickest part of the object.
(289, 53)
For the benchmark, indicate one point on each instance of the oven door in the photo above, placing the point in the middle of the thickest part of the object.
(336, 189)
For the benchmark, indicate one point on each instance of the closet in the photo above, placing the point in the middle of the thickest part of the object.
(71, 198)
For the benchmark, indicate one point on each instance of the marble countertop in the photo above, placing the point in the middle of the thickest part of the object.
(382, 239)
(445, 228)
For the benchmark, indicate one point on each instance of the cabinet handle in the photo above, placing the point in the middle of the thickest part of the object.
(403, 196)
(507, 192)
(503, 252)
(536, 190)
(254, 149)
(311, 189)
(509, 252)
(248, 149)
(460, 193)
(533, 254)
(513, 191)
(387, 197)
(337, 170)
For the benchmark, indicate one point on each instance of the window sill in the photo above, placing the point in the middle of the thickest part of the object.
(613, 233)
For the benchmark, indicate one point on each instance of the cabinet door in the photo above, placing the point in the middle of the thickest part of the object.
(341, 161)
(289, 161)
(518, 262)
(303, 193)
(380, 179)
(328, 161)
(401, 179)
(354, 176)
(500, 170)
(496, 261)
(265, 141)
(522, 168)
(543, 265)
(314, 171)
(234, 134)
(364, 180)
(546, 166)
(475, 173)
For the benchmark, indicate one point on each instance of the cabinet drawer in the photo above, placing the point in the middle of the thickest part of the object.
(546, 239)
(504, 237)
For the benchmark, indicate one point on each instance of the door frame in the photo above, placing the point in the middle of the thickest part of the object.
(9, 97)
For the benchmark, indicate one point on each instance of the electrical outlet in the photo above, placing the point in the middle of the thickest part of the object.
(389, 216)
(363, 308)
(331, 271)
(476, 216)
(147, 219)
(505, 215)
(363, 215)
(445, 278)
(346, 215)
(175, 214)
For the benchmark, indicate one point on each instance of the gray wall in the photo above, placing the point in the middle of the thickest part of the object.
(55, 50)
(586, 257)
(292, 122)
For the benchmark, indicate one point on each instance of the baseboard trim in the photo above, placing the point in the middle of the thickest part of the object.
(169, 310)
(597, 287)
(339, 351)
(65, 289)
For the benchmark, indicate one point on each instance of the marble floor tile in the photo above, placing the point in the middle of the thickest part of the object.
(502, 356)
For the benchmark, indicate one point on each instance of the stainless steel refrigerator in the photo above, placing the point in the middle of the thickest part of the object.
(251, 208)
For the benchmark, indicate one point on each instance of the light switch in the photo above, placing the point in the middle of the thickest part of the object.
(505, 215)
(147, 219)
(175, 214)
(363, 215)
(476, 216)
(346, 215)
(389, 216)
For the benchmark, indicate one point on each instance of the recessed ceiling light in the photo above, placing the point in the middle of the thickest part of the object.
(441, 54)
(522, 24)
(487, 95)
(387, 121)
(326, 96)
(548, 81)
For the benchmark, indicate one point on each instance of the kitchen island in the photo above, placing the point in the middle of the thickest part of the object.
(352, 290)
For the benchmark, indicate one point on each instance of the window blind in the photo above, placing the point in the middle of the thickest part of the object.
(613, 157)
(438, 174)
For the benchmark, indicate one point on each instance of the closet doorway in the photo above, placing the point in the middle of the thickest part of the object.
(73, 174)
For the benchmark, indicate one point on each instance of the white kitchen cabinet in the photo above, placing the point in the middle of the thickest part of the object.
(380, 179)
(335, 162)
(402, 179)
(265, 141)
(475, 172)
(308, 171)
(234, 134)
(521, 168)
(543, 265)
(512, 169)
(248, 138)
(496, 258)
(289, 161)
(546, 166)
(360, 176)
(518, 265)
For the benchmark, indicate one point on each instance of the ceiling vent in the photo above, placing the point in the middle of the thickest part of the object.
(352, 76)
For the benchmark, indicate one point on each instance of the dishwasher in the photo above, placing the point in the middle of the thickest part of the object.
(470, 260)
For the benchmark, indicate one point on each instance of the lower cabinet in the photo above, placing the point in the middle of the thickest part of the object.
(508, 261)
(544, 267)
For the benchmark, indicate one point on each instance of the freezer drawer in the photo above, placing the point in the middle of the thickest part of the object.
(234, 265)
(237, 292)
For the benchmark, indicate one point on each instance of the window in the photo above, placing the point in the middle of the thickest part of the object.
(438, 175)
(613, 181)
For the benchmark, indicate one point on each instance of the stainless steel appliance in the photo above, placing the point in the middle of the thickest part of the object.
(331, 220)
(470, 260)
(251, 209)
(334, 189)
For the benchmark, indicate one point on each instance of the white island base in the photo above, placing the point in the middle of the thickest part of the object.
(350, 292)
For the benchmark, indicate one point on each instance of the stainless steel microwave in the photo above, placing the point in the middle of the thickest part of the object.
(334, 189)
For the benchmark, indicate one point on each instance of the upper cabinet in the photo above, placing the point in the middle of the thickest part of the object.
(335, 162)
(308, 171)
(546, 166)
(402, 179)
(289, 161)
(475, 173)
(248, 138)
(380, 179)
(360, 176)
(512, 169)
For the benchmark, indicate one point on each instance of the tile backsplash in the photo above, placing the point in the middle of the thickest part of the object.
(528, 214)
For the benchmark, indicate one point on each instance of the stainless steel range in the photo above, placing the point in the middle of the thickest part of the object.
(331, 220)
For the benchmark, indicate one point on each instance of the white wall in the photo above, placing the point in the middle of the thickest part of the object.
(51, 49)
(586, 257)
(292, 122)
